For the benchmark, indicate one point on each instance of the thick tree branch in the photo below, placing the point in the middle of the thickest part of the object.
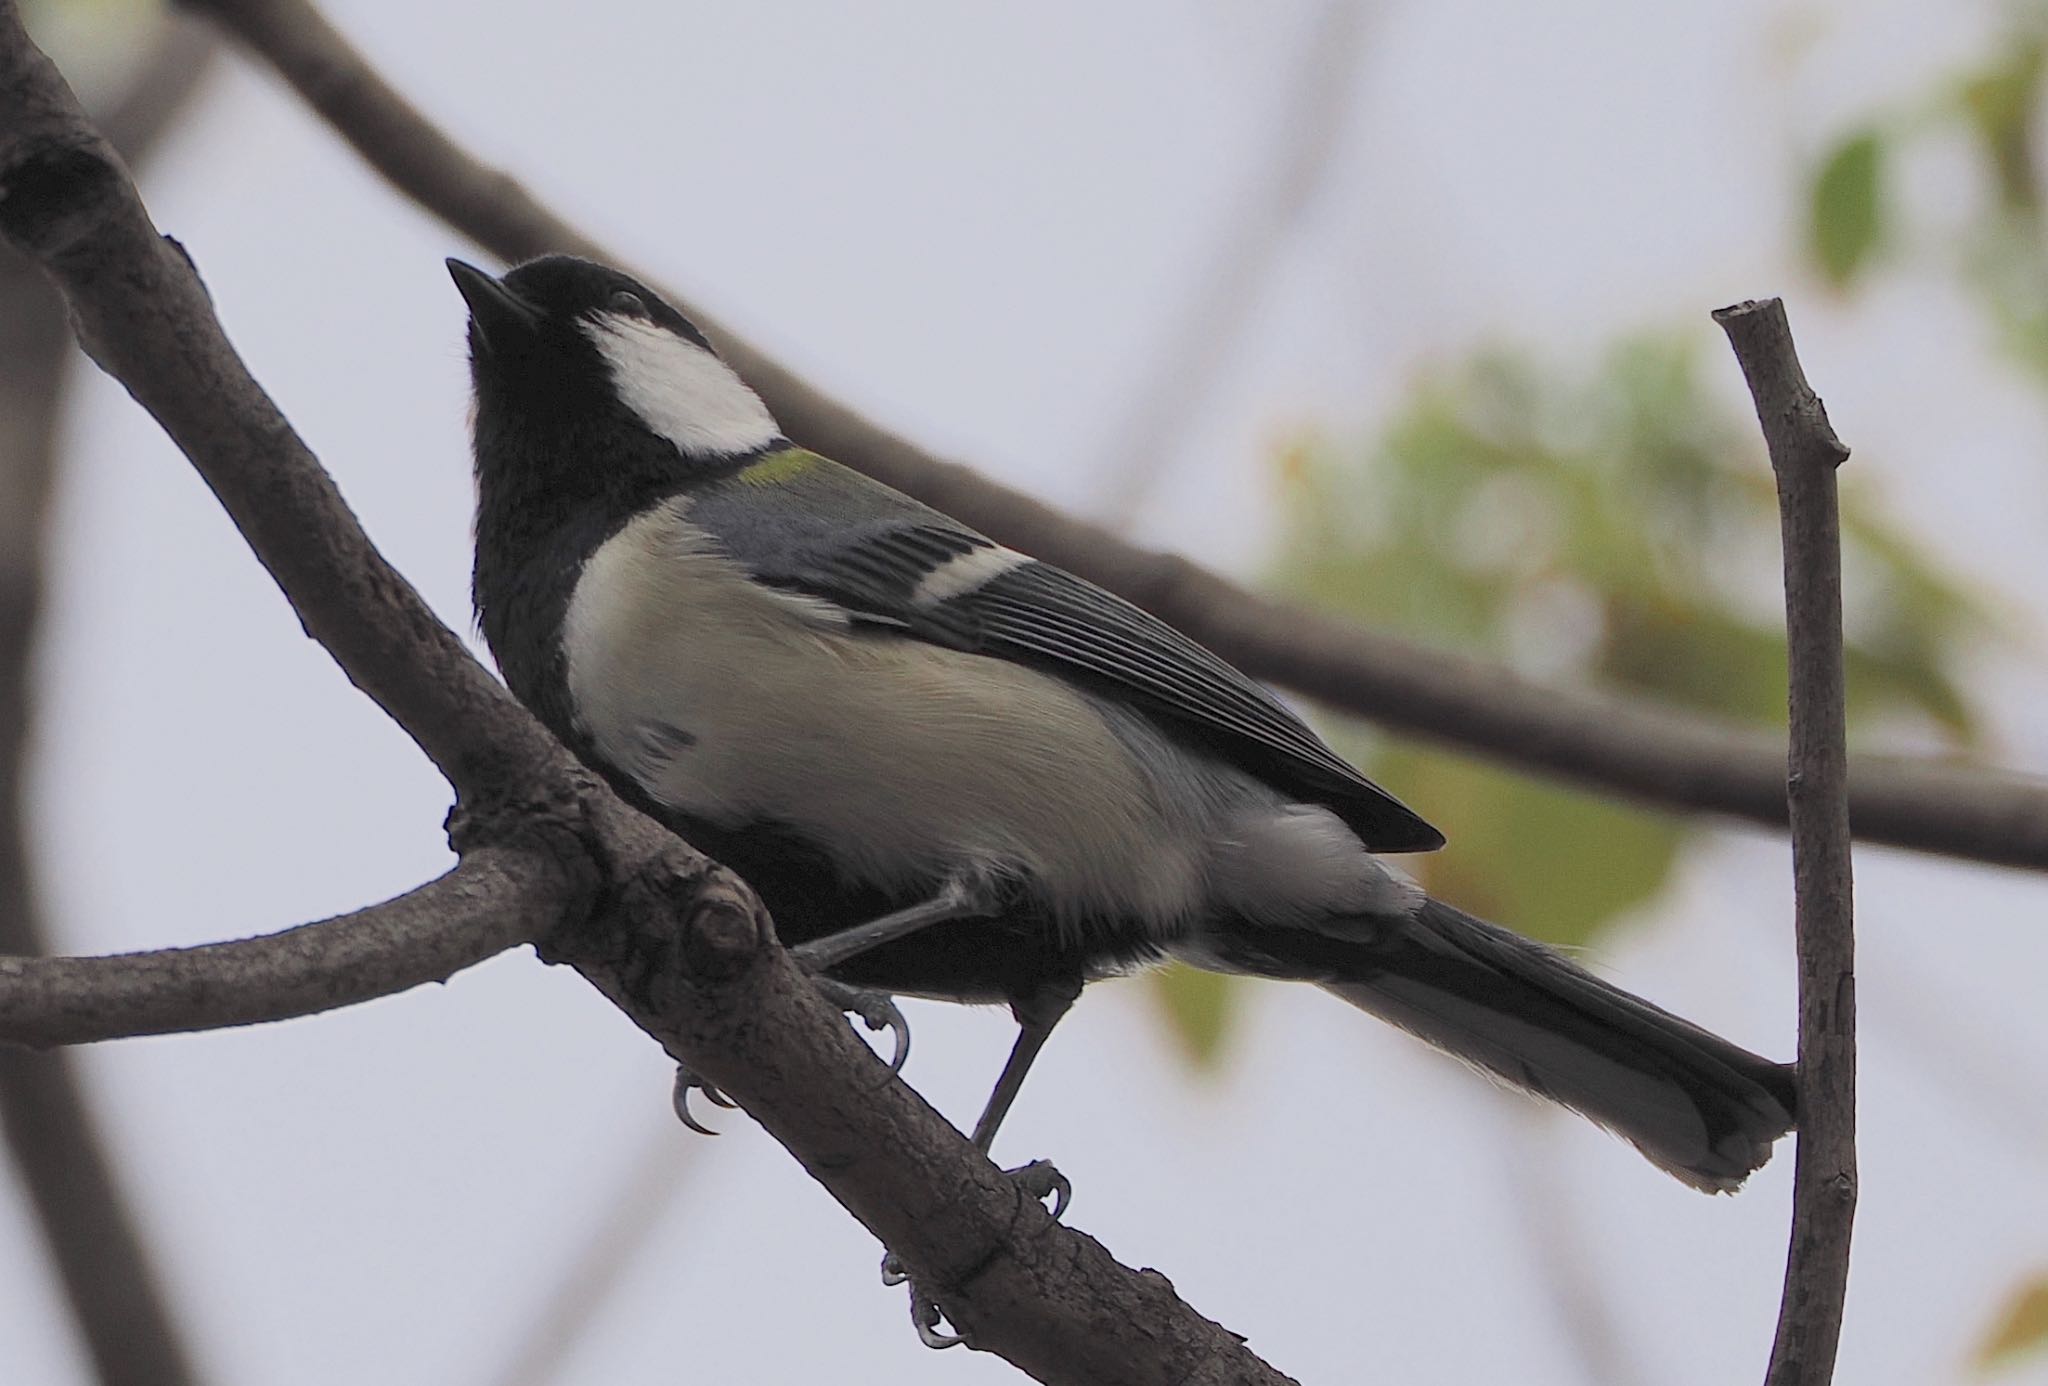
(714, 991)
(1010, 1279)
(497, 898)
(1804, 455)
(1669, 759)
(141, 313)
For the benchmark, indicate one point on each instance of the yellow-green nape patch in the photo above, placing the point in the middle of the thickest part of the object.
(779, 467)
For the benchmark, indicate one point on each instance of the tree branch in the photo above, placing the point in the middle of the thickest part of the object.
(1804, 455)
(1662, 757)
(1010, 1279)
(714, 990)
(496, 898)
(68, 204)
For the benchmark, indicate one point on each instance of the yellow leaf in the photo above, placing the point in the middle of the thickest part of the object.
(2021, 1328)
(1199, 1008)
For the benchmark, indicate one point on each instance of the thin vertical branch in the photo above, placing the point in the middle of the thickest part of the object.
(1804, 455)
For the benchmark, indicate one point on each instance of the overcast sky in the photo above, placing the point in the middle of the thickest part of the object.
(982, 226)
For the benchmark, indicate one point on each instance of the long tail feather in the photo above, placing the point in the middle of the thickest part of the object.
(1704, 1109)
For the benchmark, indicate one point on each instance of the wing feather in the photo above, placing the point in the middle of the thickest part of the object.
(870, 551)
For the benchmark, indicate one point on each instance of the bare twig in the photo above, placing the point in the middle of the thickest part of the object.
(679, 944)
(1804, 455)
(497, 898)
(1673, 760)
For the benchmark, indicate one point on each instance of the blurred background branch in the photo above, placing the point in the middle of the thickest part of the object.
(124, 1318)
(1572, 508)
(543, 1339)
(1655, 755)
(1181, 370)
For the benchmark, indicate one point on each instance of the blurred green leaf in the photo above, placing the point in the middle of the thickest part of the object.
(1992, 244)
(1999, 101)
(1847, 209)
(1557, 862)
(1200, 1009)
(1619, 529)
(2004, 264)
(2021, 1328)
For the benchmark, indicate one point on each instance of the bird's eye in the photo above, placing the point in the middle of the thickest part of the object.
(628, 302)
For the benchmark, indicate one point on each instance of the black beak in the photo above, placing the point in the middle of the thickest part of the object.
(501, 317)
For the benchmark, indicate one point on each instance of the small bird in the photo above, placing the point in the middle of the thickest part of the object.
(953, 771)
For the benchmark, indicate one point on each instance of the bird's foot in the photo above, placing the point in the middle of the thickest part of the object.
(875, 1009)
(688, 1082)
(1041, 1179)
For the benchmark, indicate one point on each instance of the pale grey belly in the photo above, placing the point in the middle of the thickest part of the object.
(912, 763)
(909, 761)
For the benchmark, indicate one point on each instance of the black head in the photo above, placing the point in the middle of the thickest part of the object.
(541, 308)
(594, 400)
(562, 349)
(591, 390)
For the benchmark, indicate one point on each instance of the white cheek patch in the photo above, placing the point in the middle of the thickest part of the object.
(956, 577)
(679, 390)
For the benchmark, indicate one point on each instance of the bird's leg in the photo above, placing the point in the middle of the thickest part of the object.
(876, 1009)
(1037, 1013)
(955, 900)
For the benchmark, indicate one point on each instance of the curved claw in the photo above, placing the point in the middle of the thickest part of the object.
(925, 1315)
(876, 1009)
(901, 1029)
(1042, 1179)
(687, 1082)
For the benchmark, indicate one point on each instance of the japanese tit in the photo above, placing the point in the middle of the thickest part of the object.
(874, 713)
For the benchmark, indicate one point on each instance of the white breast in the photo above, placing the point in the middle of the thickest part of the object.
(909, 762)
